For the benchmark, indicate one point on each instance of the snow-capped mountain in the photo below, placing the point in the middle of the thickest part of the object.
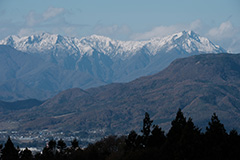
(186, 42)
(67, 62)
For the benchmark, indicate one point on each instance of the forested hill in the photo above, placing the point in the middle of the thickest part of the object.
(19, 105)
(199, 85)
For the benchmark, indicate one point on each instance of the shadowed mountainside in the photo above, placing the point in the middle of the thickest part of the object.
(199, 85)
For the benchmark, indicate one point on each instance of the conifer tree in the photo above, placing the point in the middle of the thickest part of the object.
(233, 145)
(75, 144)
(1, 146)
(131, 140)
(9, 152)
(147, 123)
(216, 139)
(26, 154)
(172, 145)
(178, 125)
(190, 143)
(52, 144)
(49, 151)
(215, 127)
(61, 154)
(61, 145)
(157, 138)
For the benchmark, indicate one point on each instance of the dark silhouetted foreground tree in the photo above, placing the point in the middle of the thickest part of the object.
(49, 151)
(147, 124)
(26, 154)
(75, 144)
(216, 139)
(9, 152)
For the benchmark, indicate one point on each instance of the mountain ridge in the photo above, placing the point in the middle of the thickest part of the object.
(86, 45)
(61, 62)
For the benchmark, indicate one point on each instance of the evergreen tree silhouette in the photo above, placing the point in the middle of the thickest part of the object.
(131, 140)
(216, 139)
(75, 144)
(1, 146)
(147, 123)
(178, 125)
(61, 145)
(49, 151)
(215, 128)
(26, 154)
(74, 152)
(233, 145)
(9, 152)
(157, 138)
(190, 144)
(172, 145)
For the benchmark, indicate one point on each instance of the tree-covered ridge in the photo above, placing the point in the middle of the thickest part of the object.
(184, 141)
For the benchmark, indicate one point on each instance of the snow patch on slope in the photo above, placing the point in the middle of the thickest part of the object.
(45, 43)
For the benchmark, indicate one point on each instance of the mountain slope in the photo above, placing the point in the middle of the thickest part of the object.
(62, 62)
(18, 105)
(17, 71)
(199, 85)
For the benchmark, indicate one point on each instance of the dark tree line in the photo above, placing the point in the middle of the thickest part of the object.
(184, 141)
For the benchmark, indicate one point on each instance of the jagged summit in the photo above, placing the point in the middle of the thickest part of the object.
(190, 42)
(184, 42)
(56, 62)
(38, 43)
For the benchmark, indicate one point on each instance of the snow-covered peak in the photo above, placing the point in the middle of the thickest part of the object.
(95, 37)
(40, 43)
(45, 43)
(97, 41)
(184, 42)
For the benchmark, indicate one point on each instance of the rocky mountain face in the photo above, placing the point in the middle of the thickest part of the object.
(200, 85)
(40, 66)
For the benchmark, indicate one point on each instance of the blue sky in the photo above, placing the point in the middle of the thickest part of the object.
(218, 20)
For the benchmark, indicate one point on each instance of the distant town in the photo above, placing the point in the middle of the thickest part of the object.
(36, 140)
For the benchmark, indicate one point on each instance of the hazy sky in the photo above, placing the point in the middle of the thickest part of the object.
(219, 20)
